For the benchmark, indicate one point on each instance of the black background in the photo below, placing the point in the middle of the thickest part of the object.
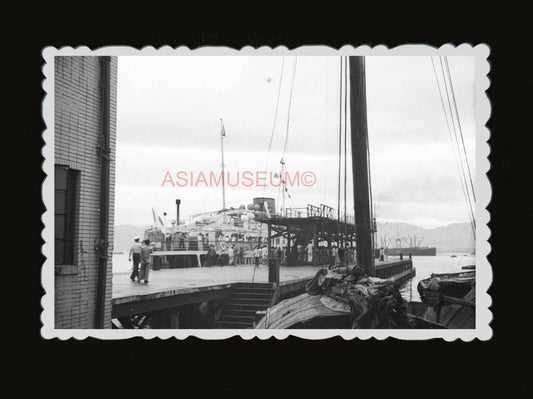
(273, 367)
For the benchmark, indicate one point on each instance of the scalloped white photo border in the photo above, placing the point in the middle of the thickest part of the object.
(481, 52)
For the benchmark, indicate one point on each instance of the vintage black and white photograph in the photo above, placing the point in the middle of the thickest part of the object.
(266, 192)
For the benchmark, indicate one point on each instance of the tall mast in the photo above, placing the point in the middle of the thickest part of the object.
(360, 161)
(282, 162)
(222, 135)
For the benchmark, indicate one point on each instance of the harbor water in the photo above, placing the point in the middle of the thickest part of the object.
(425, 266)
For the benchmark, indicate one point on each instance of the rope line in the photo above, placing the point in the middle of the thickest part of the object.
(461, 177)
(340, 141)
(459, 125)
(469, 200)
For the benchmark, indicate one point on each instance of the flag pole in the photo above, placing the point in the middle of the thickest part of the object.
(222, 135)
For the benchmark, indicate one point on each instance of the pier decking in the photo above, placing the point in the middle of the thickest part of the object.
(175, 287)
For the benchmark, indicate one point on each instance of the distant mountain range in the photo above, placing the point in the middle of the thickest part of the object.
(453, 238)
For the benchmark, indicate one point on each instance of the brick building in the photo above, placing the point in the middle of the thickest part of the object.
(85, 137)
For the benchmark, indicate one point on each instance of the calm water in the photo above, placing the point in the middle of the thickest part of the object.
(425, 266)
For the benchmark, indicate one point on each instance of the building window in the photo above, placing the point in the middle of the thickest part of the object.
(65, 214)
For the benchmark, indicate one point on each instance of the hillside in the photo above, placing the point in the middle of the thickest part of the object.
(455, 237)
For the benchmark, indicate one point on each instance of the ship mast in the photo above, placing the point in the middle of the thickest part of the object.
(282, 162)
(360, 161)
(222, 135)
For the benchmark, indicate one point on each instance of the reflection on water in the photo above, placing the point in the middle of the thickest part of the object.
(425, 266)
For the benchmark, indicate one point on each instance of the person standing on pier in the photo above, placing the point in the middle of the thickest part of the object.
(231, 255)
(264, 254)
(146, 260)
(211, 256)
(333, 260)
(257, 255)
(309, 252)
(342, 253)
(241, 255)
(135, 251)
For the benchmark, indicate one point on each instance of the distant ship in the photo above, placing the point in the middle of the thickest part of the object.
(411, 246)
(414, 251)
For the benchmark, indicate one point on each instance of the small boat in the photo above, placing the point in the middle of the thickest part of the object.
(455, 285)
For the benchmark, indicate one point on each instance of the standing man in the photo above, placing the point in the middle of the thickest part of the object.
(342, 253)
(231, 255)
(257, 255)
(264, 253)
(211, 256)
(146, 261)
(241, 255)
(135, 250)
(333, 257)
(309, 252)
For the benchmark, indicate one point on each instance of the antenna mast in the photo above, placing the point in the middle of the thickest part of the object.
(222, 135)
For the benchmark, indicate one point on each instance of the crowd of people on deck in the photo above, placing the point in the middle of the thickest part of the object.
(141, 256)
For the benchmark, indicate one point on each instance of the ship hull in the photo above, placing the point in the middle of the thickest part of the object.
(414, 251)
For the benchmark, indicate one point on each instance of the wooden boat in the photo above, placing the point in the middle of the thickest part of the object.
(448, 301)
(303, 311)
(455, 285)
(341, 298)
(460, 314)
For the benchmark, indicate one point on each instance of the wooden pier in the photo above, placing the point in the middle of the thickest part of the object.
(172, 289)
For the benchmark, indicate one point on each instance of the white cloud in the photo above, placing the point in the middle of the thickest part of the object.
(169, 111)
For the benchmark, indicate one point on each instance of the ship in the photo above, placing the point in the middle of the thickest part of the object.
(186, 245)
(403, 246)
(412, 251)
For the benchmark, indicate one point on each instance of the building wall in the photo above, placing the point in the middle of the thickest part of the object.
(78, 130)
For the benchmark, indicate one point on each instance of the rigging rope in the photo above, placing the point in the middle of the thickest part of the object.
(457, 144)
(461, 174)
(340, 141)
(270, 147)
(345, 149)
(290, 102)
(459, 125)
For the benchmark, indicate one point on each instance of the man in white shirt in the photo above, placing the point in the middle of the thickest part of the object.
(264, 253)
(231, 254)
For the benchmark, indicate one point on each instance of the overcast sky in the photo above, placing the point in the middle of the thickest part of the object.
(168, 119)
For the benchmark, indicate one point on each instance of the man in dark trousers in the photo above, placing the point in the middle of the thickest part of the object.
(342, 253)
(146, 261)
(135, 251)
(211, 256)
(241, 255)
